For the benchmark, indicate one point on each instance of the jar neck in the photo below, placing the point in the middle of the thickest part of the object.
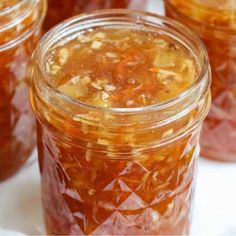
(154, 127)
(19, 20)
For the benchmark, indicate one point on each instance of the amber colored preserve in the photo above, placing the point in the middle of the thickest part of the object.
(59, 10)
(119, 97)
(215, 22)
(20, 24)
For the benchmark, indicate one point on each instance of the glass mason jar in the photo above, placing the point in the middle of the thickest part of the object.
(215, 22)
(20, 25)
(118, 171)
(59, 10)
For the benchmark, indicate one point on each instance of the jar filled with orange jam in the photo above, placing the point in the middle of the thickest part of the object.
(215, 22)
(59, 10)
(119, 97)
(20, 24)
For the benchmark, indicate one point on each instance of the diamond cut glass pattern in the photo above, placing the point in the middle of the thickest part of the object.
(20, 27)
(16, 119)
(147, 195)
(219, 130)
(215, 22)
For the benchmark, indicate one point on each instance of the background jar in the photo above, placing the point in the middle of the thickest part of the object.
(118, 171)
(20, 25)
(59, 10)
(215, 22)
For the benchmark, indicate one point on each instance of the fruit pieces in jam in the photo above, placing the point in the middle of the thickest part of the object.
(215, 22)
(59, 10)
(220, 13)
(16, 119)
(95, 180)
(108, 69)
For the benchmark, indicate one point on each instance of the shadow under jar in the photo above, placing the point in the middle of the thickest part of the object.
(119, 97)
(215, 23)
(20, 25)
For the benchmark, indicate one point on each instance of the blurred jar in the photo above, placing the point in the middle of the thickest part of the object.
(20, 26)
(59, 10)
(215, 22)
(103, 173)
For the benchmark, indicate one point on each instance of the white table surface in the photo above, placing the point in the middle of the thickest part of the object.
(214, 207)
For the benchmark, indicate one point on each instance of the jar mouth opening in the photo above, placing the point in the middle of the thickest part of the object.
(141, 19)
(193, 4)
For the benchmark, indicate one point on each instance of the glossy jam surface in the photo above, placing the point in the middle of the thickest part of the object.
(215, 22)
(16, 119)
(121, 69)
(59, 10)
(100, 172)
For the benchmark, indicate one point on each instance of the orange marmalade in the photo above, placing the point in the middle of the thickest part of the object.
(20, 23)
(215, 22)
(119, 98)
(59, 10)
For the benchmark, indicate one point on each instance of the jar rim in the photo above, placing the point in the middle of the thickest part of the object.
(141, 17)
